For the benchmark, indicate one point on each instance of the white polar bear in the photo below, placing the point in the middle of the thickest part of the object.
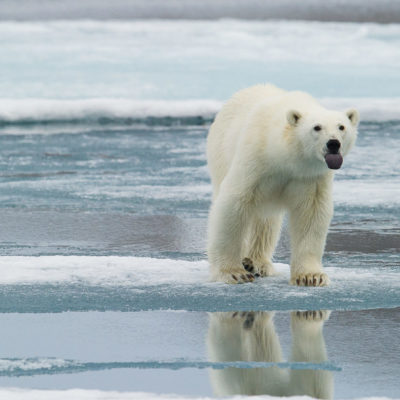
(251, 337)
(271, 151)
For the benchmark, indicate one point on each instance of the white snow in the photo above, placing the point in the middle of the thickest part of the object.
(145, 271)
(383, 192)
(26, 364)
(80, 394)
(186, 60)
(36, 109)
(111, 270)
(93, 109)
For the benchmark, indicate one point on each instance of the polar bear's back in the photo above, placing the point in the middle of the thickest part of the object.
(222, 137)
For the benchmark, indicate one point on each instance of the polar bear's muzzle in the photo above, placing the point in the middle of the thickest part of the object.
(333, 158)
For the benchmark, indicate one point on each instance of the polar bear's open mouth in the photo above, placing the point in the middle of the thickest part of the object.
(333, 161)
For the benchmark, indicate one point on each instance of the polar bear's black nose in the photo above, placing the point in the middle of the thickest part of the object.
(333, 146)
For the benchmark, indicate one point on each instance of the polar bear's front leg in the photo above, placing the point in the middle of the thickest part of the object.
(309, 219)
(226, 227)
(308, 346)
(263, 237)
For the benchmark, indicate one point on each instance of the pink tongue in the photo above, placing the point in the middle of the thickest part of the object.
(334, 161)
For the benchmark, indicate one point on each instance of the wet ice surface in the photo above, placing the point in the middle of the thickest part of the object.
(110, 193)
(54, 284)
(103, 175)
(243, 353)
(93, 197)
(118, 216)
(162, 170)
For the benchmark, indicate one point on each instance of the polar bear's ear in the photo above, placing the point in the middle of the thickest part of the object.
(293, 117)
(353, 116)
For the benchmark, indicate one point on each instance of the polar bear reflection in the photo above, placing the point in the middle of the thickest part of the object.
(251, 336)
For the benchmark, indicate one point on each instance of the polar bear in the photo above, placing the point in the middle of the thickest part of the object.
(270, 151)
(251, 337)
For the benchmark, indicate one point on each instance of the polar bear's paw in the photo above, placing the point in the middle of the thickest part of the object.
(267, 269)
(249, 319)
(250, 267)
(310, 279)
(246, 317)
(239, 276)
(234, 275)
(320, 315)
(259, 269)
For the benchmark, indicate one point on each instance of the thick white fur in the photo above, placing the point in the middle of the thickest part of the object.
(265, 158)
(252, 337)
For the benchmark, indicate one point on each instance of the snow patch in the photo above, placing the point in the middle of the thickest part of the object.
(28, 394)
(100, 110)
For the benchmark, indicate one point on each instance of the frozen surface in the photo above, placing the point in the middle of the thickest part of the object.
(118, 216)
(186, 60)
(15, 113)
(162, 170)
(74, 350)
(46, 284)
(104, 196)
(17, 394)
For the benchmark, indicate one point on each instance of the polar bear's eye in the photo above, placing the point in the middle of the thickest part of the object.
(341, 127)
(317, 128)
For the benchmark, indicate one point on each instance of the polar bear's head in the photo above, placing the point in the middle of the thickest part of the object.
(324, 136)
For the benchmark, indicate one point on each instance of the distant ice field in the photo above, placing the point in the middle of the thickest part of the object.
(187, 60)
(17, 115)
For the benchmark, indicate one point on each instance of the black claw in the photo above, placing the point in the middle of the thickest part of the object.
(234, 277)
(257, 275)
